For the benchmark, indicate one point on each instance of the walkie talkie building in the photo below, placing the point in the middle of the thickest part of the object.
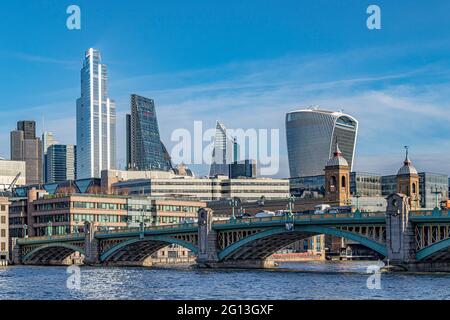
(311, 135)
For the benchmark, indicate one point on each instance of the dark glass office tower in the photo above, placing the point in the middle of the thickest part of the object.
(145, 151)
(25, 146)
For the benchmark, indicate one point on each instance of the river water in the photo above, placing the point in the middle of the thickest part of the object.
(292, 281)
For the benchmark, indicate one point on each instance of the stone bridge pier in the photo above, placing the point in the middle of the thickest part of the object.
(208, 247)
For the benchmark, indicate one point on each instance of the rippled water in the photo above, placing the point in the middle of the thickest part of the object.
(312, 280)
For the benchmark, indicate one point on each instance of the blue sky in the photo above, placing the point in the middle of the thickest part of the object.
(245, 63)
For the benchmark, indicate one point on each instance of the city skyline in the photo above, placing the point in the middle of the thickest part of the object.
(393, 87)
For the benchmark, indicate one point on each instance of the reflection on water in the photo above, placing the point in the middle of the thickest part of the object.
(306, 280)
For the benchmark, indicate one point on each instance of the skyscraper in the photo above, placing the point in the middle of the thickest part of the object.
(145, 151)
(26, 147)
(222, 153)
(47, 141)
(96, 120)
(61, 163)
(311, 135)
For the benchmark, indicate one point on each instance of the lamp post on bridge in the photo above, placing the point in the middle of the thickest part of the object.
(437, 192)
(25, 231)
(49, 229)
(357, 196)
(234, 204)
(142, 225)
(291, 201)
(185, 210)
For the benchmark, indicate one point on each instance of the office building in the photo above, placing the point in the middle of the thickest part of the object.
(167, 184)
(25, 146)
(364, 184)
(61, 163)
(311, 135)
(96, 120)
(12, 174)
(222, 154)
(47, 141)
(4, 231)
(242, 169)
(308, 187)
(432, 186)
(388, 185)
(145, 151)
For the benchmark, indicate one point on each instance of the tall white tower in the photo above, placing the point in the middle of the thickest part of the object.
(96, 120)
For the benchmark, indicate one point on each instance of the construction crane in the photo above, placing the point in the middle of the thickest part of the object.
(13, 183)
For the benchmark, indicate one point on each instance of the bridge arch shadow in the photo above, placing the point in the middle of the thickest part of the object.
(436, 251)
(263, 244)
(51, 253)
(137, 250)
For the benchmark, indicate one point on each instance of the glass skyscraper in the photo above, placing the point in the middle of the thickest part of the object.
(145, 151)
(47, 141)
(25, 146)
(61, 163)
(222, 155)
(311, 135)
(96, 120)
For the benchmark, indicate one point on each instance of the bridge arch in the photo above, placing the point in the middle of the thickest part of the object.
(438, 247)
(307, 231)
(51, 252)
(154, 243)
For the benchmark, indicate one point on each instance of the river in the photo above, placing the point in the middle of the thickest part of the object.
(293, 281)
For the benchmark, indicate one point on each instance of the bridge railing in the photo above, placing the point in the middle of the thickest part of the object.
(53, 237)
(306, 217)
(429, 213)
(180, 226)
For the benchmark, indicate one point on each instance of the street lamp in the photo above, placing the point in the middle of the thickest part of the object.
(185, 214)
(357, 196)
(437, 192)
(291, 201)
(50, 229)
(233, 203)
(25, 231)
(142, 224)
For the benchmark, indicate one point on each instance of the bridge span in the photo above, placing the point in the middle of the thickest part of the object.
(410, 240)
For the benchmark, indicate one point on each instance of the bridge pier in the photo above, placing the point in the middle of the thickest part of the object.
(399, 232)
(91, 245)
(207, 240)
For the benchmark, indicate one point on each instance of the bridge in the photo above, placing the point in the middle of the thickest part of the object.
(411, 240)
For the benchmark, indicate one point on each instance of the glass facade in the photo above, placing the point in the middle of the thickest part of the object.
(246, 168)
(96, 120)
(222, 153)
(308, 187)
(365, 184)
(388, 185)
(146, 151)
(61, 163)
(311, 136)
(429, 184)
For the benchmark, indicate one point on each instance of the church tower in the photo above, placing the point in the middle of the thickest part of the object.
(408, 182)
(337, 180)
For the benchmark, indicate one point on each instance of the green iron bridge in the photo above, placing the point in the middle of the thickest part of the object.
(410, 240)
